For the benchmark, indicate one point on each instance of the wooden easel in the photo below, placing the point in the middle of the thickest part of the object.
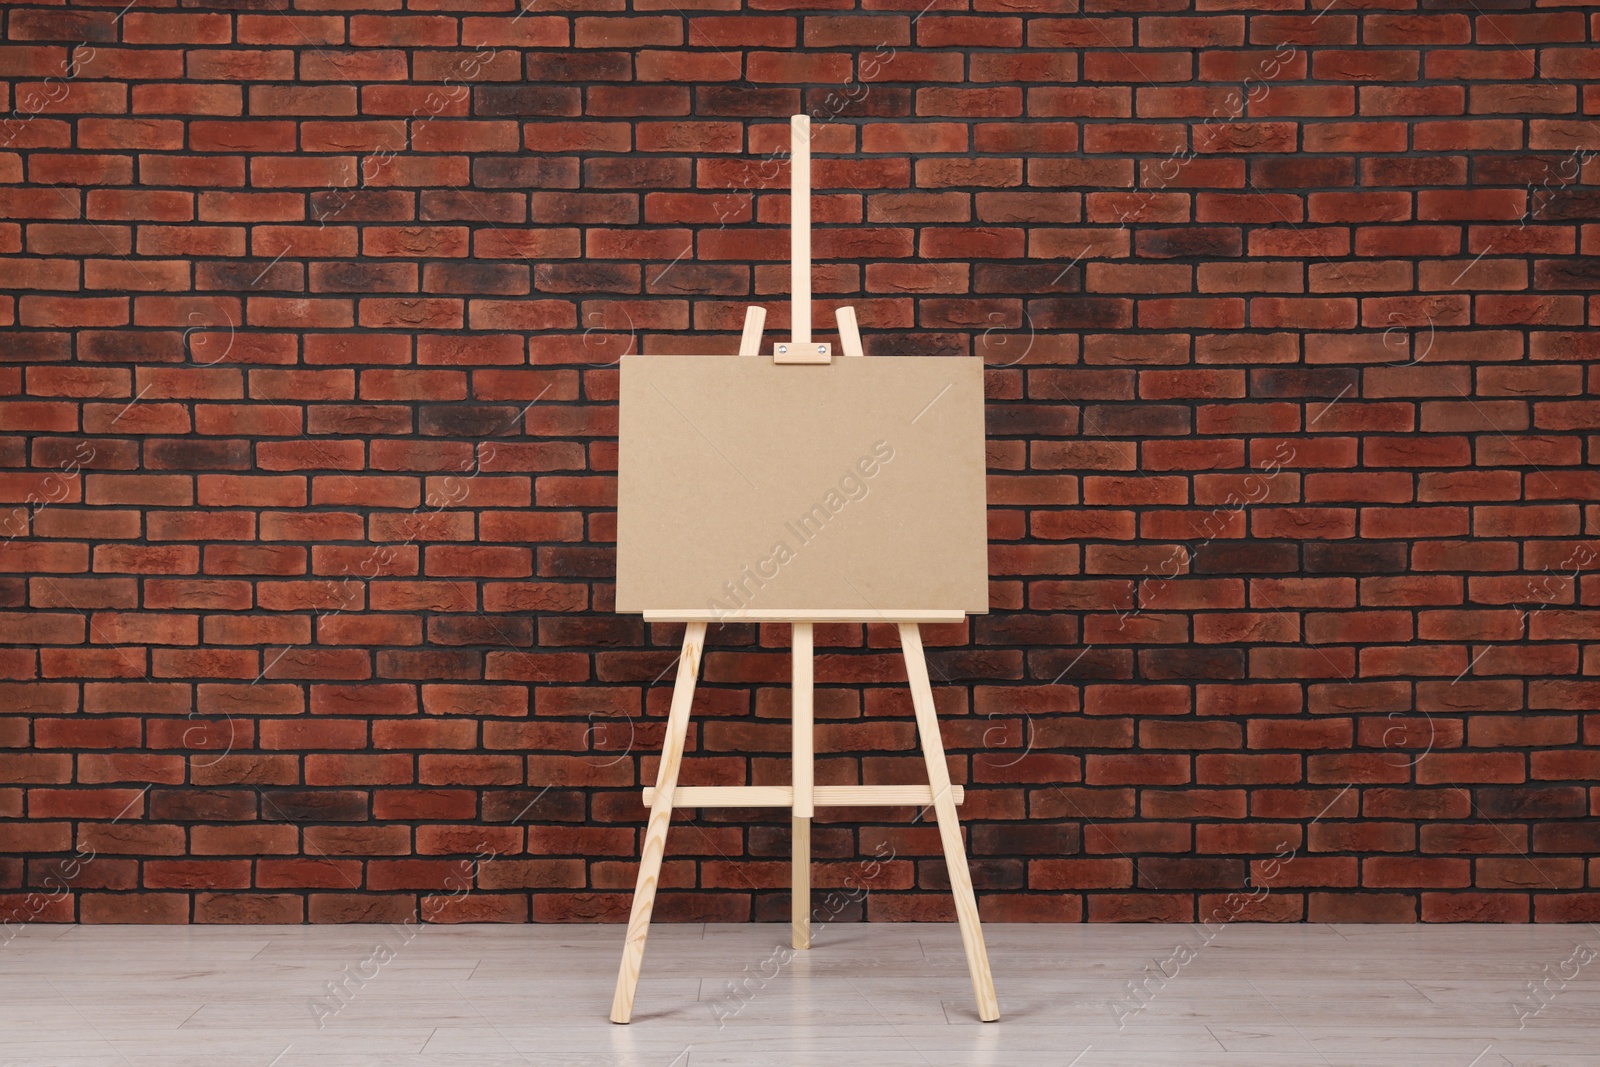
(803, 796)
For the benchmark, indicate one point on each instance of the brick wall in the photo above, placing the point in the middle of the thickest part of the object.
(308, 437)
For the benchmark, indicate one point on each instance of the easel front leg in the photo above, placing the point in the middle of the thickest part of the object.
(804, 809)
(944, 809)
(655, 837)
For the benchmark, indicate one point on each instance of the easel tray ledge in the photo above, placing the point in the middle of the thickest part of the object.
(801, 615)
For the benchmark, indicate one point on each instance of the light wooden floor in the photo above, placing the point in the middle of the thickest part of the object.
(884, 995)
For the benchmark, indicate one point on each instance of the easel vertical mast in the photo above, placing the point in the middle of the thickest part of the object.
(800, 230)
(800, 348)
(800, 694)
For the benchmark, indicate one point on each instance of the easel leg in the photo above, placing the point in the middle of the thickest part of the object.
(804, 810)
(750, 341)
(655, 838)
(944, 808)
(800, 900)
(849, 332)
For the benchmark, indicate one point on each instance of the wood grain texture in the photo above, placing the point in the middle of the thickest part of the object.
(823, 796)
(655, 838)
(801, 761)
(800, 879)
(955, 855)
(800, 229)
(755, 318)
(849, 332)
(817, 615)
(801, 728)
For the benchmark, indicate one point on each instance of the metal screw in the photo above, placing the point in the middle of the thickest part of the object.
(783, 350)
(822, 350)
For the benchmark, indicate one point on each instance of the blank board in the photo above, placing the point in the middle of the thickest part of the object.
(748, 489)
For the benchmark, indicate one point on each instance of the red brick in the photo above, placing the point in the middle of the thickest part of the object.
(133, 908)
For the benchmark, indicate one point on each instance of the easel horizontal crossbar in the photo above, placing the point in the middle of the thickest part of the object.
(782, 796)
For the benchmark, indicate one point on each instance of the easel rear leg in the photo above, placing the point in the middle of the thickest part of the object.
(801, 775)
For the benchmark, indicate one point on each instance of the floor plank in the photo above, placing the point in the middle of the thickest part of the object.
(725, 995)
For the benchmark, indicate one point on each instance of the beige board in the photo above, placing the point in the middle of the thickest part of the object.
(750, 490)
